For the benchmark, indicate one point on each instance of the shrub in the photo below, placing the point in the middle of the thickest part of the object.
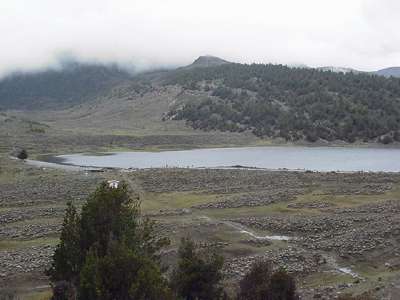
(386, 139)
(22, 154)
(262, 283)
(198, 274)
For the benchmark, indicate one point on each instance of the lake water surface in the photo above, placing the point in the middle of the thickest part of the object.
(292, 158)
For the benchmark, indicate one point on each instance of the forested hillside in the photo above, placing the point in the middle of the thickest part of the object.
(269, 100)
(70, 85)
(293, 103)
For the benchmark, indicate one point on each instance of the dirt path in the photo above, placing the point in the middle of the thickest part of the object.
(330, 260)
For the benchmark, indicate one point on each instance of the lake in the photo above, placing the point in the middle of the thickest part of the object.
(292, 158)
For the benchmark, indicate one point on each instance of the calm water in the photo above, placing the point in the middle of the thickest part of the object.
(293, 158)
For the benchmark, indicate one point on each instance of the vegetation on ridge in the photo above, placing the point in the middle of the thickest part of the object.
(278, 101)
(73, 84)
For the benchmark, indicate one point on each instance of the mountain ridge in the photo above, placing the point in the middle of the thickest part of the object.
(387, 72)
(270, 101)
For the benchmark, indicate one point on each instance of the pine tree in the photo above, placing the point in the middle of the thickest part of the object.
(198, 274)
(109, 251)
(66, 259)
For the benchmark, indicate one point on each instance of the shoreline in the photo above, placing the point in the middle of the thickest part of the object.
(61, 161)
(89, 168)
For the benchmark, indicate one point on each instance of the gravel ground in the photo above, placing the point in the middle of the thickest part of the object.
(326, 234)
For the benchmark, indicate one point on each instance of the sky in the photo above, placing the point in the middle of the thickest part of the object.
(362, 34)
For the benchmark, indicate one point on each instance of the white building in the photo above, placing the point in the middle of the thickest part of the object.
(113, 184)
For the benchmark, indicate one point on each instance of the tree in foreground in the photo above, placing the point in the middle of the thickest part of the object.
(261, 283)
(198, 274)
(108, 251)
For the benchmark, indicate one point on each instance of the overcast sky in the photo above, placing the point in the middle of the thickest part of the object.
(363, 34)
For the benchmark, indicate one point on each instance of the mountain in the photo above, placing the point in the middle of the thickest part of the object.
(208, 61)
(276, 101)
(270, 101)
(393, 71)
(73, 83)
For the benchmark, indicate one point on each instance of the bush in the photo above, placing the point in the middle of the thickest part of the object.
(262, 283)
(198, 274)
(386, 139)
(22, 154)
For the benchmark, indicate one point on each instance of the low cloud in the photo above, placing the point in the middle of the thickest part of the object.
(159, 33)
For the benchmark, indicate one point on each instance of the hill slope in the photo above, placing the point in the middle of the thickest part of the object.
(73, 84)
(270, 101)
(296, 104)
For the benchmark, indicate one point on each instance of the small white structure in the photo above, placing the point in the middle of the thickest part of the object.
(113, 184)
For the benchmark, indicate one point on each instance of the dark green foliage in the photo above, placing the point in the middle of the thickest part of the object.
(122, 274)
(66, 259)
(277, 101)
(261, 283)
(72, 84)
(109, 251)
(109, 214)
(23, 154)
(282, 286)
(198, 274)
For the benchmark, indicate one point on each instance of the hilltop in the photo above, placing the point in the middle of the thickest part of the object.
(208, 61)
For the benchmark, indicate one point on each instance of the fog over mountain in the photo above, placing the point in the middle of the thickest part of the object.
(355, 34)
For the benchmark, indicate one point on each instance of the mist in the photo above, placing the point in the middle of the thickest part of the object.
(144, 35)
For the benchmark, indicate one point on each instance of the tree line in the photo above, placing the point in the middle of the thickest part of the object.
(72, 84)
(291, 103)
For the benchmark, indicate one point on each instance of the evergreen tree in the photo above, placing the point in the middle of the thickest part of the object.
(198, 274)
(66, 259)
(109, 251)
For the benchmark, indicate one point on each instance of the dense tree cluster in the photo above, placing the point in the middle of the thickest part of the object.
(293, 103)
(72, 84)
